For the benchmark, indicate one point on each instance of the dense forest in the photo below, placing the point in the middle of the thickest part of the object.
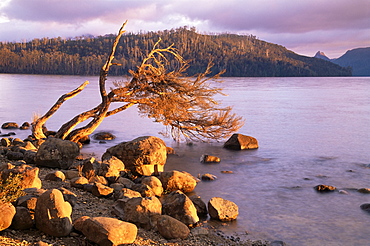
(239, 55)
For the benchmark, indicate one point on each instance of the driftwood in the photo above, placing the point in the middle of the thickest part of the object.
(184, 105)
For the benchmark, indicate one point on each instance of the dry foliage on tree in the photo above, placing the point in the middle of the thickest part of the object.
(185, 105)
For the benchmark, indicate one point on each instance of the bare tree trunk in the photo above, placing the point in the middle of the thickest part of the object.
(40, 122)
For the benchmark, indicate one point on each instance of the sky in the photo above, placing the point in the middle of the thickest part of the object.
(303, 26)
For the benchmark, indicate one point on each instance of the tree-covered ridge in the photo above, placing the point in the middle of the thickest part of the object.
(239, 55)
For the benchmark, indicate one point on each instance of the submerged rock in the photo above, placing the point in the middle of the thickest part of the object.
(324, 188)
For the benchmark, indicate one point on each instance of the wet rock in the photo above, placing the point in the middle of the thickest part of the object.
(25, 126)
(57, 153)
(179, 206)
(104, 136)
(222, 209)
(9, 125)
(208, 177)
(171, 228)
(199, 205)
(142, 156)
(241, 142)
(7, 214)
(324, 188)
(209, 159)
(364, 190)
(175, 180)
(106, 231)
(142, 211)
(365, 207)
(53, 214)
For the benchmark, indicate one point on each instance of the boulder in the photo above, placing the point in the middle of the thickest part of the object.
(7, 211)
(223, 210)
(209, 159)
(365, 207)
(29, 156)
(142, 156)
(111, 168)
(27, 201)
(106, 231)
(30, 175)
(179, 206)
(175, 180)
(142, 211)
(9, 125)
(199, 205)
(69, 196)
(55, 176)
(171, 228)
(143, 189)
(14, 155)
(126, 182)
(57, 153)
(53, 214)
(79, 182)
(154, 183)
(125, 193)
(23, 219)
(6, 142)
(240, 142)
(100, 190)
(364, 190)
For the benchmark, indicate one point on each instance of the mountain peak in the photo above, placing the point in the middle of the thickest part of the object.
(321, 55)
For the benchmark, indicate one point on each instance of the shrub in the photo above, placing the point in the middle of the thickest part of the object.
(10, 187)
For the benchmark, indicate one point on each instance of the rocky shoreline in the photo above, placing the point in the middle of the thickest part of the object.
(88, 198)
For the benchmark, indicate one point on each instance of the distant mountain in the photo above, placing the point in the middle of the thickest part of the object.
(238, 55)
(357, 59)
(321, 55)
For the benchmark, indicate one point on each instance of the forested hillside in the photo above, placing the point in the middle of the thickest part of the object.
(240, 55)
(358, 59)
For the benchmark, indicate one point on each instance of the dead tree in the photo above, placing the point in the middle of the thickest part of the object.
(185, 105)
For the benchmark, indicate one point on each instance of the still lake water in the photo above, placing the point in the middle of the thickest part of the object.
(311, 131)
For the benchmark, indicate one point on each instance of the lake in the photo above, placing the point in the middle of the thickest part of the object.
(311, 131)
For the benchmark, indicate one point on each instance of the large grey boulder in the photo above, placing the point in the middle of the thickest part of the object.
(171, 228)
(175, 180)
(222, 209)
(53, 214)
(240, 142)
(179, 206)
(7, 211)
(106, 231)
(143, 155)
(142, 211)
(57, 153)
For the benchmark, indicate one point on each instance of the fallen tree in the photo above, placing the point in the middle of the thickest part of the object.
(185, 105)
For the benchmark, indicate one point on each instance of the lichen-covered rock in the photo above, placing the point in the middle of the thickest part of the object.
(240, 142)
(222, 209)
(175, 180)
(106, 231)
(171, 228)
(53, 214)
(143, 155)
(29, 174)
(57, 153)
